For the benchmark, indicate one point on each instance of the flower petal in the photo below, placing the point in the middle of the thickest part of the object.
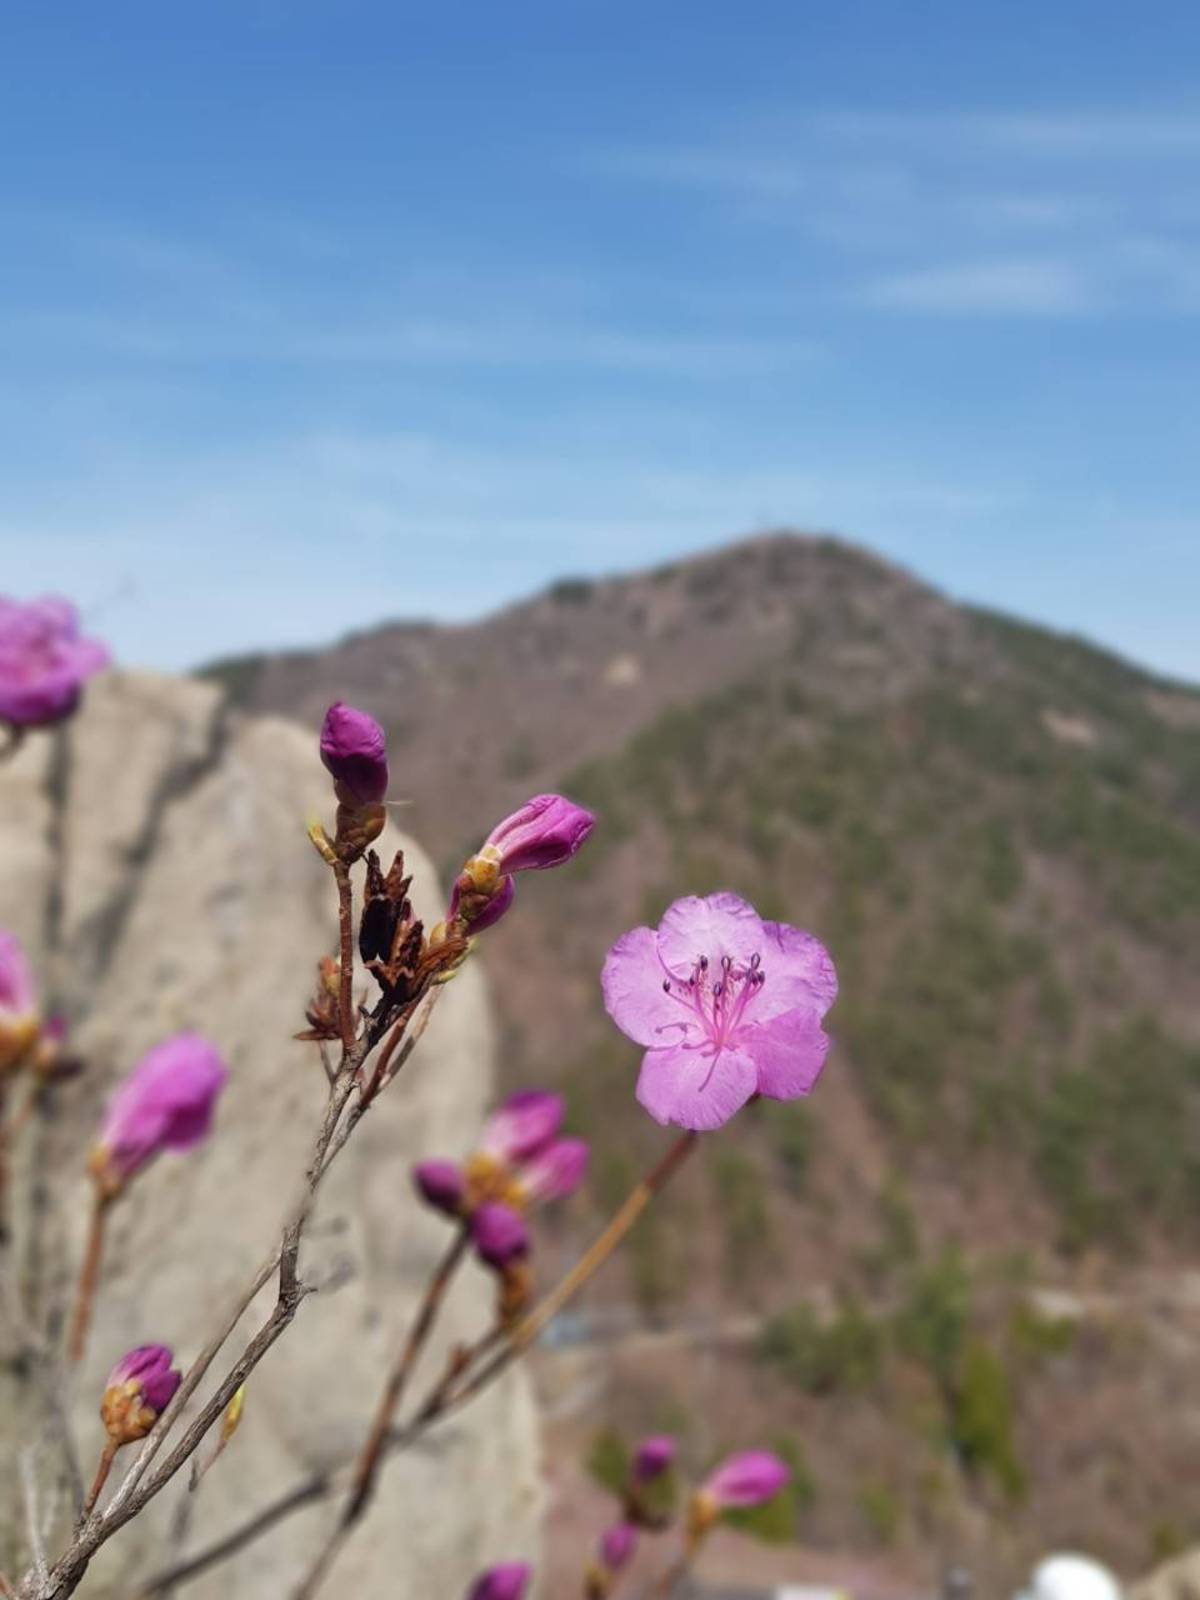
(632, 982)
(792, 953)
(719, 925)
(788, 1053)
(694, 1090)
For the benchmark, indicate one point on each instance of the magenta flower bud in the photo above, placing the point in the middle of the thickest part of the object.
(522, 1126)
(499, 1234)
(507, 1582)
(502, 898)
(19, 1021)
(555, 1171)
(441, 1185)
(545, 832)
(138, 1390)
(748, 1479)
(43, 661)
(354, 751)
(617, 1545)
(149, 1365)
(166, 1103)
(653, 1457)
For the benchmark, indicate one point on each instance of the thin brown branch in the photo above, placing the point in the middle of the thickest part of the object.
(670, 1578)
(445, 1397)
(315, 1487)
(89, 1276)
(107, 1457)
(371, 1456)
(345, 891)
(141, 1484)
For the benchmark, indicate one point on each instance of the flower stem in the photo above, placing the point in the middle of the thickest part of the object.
(368, 1462)
(527, 1330)
(107, 1457)
(89, 1276)
(367, 1467)
(345, 890)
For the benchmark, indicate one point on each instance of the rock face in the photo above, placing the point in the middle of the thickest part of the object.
(155, 865)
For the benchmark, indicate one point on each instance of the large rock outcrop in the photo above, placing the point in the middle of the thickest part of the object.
(153, 860)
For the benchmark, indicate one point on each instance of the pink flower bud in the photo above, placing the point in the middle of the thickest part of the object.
(617, 1545)
(441, 1185)
(545, 832)
(499, 1234)
(43, 661)
(138, 1390)
(166, 1103)
(653, 1457)
(502, 897)
(748, 1479)
(19, 1021)
(507, 1582)
(522, 1126)
(354, 751)
(555, 1171)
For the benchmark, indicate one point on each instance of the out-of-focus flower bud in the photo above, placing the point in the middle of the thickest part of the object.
(509, 1581)
(545, 832)
(749, 1479)
(522, 1126)
(442, 1185)
(138, 1390)
(166, 1103)
(19, 1020)
(499, 1234)
(653, 1457)
(617, 1545)
(43, 661)
(354, 751)
(553, 1172)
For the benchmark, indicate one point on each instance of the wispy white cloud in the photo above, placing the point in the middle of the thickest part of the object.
(407, 341)
(1004, 288)
(274, 523)
(1040, 214)
(1071, 133)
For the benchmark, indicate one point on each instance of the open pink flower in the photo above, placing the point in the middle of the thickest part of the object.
(506, 1582)
(44, 662)
(166, 1103)
(19, 1020)
(728, 1006)
(749, 1479)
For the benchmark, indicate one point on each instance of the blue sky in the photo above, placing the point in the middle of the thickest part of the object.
(316, 313)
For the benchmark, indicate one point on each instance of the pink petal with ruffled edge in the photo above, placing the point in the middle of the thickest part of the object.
(632, 982)
(794, 954)
(719, 925)
(693, 1090)
(788, 1053)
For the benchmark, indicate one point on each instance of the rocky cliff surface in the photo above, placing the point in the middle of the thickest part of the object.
(155, 865)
